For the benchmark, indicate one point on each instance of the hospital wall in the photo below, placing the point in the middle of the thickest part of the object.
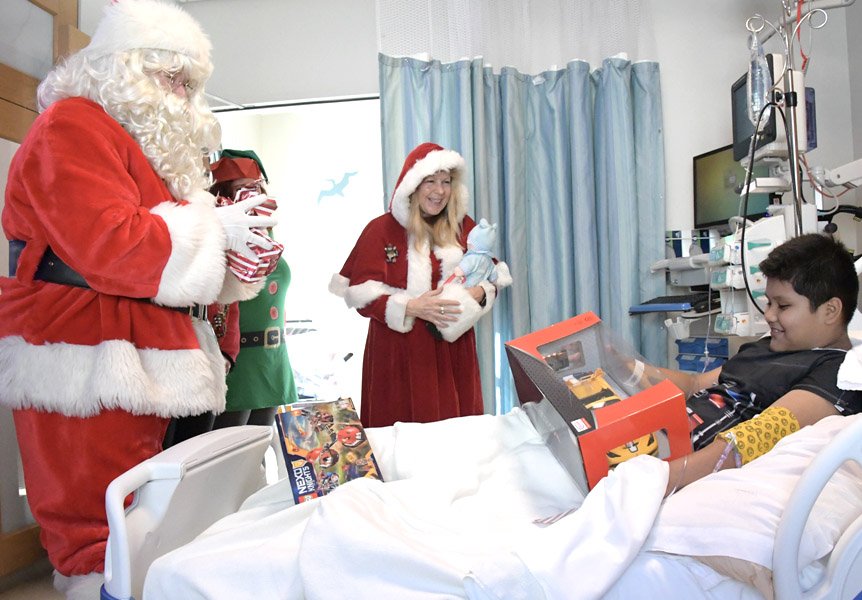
(292, 50)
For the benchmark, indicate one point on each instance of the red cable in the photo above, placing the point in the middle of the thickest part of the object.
(799, 5)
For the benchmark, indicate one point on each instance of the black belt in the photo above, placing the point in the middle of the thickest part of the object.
(52, 269)
(198, 311)
(270, 337)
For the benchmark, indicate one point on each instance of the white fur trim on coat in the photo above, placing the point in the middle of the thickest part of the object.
(113, 375)
(396, 313)
(338, 284)
(79, 587)
(449, 257)
(142, 24)
(418, 282)
(470, 313)
(504, 277)
(418, 268)
(360, 296)
(439, 160)
(235, 290)
(195, 271)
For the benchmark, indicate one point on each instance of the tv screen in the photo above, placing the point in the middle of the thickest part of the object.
(718, 181)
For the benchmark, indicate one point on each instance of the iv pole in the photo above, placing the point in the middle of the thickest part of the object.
(792, 97)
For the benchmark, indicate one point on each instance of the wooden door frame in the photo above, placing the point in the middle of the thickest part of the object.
(21, 548)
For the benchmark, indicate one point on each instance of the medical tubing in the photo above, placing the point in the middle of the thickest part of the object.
(730, 447)
(748, 172)
(790, 101)
(709, 292)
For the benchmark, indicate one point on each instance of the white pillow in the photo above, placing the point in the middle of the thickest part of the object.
(850, 371)
(735, 513)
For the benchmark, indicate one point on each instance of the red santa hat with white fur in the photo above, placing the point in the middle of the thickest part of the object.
(138, 24)
(427, 159)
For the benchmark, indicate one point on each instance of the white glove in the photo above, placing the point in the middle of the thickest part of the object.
(238, 224)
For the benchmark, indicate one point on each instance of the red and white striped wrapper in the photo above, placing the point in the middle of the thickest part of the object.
(245, 269)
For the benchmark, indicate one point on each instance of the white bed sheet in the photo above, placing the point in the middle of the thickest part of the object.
(454, 520)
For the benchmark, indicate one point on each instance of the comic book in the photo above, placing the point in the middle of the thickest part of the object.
(324, 446)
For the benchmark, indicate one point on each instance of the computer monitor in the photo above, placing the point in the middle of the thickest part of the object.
(718, 181)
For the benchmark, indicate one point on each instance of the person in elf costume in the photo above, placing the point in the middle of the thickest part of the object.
(261, 378)
(394, 276)
(224, 319)
(116, 248)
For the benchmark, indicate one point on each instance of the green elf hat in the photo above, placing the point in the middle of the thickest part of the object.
(228, 153)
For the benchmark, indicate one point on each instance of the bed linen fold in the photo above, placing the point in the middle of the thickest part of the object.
(583, 554)
(454, 473)
(453, 520)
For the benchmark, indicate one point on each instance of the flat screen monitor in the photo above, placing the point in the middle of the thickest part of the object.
(743, 128)
(718, 180)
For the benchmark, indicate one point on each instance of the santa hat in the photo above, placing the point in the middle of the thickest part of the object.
(231, 153)
(148, 24)
(229, 169)
(426, 159)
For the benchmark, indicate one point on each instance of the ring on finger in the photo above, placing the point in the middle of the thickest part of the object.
(442, 310)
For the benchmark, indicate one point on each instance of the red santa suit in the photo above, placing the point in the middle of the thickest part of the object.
(94, 375)
(408, 373)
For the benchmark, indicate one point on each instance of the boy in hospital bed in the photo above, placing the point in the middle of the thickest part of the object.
(438, 528)
(784, 381)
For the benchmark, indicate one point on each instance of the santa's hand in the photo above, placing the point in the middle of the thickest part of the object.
(258, 239)
(238, 224)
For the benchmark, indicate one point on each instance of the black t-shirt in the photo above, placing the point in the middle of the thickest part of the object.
(756, 377)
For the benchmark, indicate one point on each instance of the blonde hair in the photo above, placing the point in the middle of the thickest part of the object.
(174, 133)
(442, 229)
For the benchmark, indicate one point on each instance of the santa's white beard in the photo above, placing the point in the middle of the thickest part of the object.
(172, 136)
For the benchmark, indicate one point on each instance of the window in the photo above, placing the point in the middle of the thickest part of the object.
(323, 161)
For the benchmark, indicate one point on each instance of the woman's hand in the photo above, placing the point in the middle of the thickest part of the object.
(434, 309)
(478, 293)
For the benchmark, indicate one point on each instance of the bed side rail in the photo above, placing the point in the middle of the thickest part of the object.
(843, 577)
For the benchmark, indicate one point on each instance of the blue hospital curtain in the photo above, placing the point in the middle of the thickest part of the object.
(570, 164)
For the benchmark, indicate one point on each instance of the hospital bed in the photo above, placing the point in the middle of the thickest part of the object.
(201, 523)
(456, 520)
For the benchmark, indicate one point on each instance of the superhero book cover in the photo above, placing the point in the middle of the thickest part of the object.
(324, 446)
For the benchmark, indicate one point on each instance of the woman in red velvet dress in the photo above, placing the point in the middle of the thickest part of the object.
(394, 276)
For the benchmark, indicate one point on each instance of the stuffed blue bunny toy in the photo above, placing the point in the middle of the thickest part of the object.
(477, 264)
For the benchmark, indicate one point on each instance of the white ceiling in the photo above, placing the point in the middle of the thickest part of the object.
(281, 51)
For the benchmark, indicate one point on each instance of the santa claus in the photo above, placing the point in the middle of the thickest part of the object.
(116, 248)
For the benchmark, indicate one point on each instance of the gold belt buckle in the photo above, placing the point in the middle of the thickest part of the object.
(272, 337)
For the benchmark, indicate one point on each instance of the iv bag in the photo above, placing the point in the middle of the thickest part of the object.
(759, 81)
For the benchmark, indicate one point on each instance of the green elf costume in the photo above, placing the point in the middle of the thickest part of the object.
(261, 378)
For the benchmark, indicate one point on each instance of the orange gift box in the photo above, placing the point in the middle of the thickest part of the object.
(582, 388)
